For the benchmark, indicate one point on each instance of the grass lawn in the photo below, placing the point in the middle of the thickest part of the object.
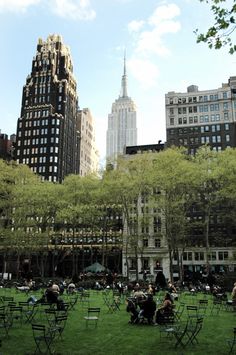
(114, 335)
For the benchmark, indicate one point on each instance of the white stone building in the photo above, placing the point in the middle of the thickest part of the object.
(89, 156)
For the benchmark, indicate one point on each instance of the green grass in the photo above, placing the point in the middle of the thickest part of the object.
(114, 335)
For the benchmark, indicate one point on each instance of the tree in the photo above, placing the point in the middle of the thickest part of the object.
(78, 213)
(34, 218)
(219, 34)
(174, 178)
(129, 187)
(12, 178)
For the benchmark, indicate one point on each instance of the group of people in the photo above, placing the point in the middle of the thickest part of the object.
(143, 307)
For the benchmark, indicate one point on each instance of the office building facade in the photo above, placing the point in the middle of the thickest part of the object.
(122, 130)
(195, 118)
(89, 156)
(47, 139)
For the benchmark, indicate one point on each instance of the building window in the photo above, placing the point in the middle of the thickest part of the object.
(226, 116)
(157, 243)
(224, 95)
(212, 256)
(225, 106)
(227, 137)
(199, 256)
(133, 264)
(172, 121)
(145, 242)
(223, 255)
(188, 256)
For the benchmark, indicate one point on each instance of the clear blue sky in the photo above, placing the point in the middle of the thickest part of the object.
(161, 49)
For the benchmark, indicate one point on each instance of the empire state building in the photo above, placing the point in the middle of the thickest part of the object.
(122, 130)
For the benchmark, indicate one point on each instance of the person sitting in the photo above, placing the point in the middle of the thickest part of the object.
(172, 290)
(138, 294)
(166, 310)
(148, 308)
(51, 293)
(132, 308)
(233, 294)
(71, 288)
(151, 290)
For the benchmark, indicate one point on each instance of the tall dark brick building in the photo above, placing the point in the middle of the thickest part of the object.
(47, 139)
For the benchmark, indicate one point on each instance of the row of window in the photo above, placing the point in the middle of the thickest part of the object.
(203, 140)
(201, 119)
(200, 108)
(36, 141)
(39, 100)
(187, 256)
(41, 160)
(37, 132)
(37, 114)
(200, 98)
(200, 255)
(41, 150)
(214, 128)
(202, 129)
(42, 79)
(41, 90)
(157, 242)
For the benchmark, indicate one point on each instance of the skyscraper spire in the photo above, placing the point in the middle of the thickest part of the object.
(124, 80)
(122, 130)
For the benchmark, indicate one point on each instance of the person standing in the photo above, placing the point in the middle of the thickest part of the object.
(234, 295)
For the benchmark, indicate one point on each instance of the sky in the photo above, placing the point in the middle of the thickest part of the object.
(161, 55)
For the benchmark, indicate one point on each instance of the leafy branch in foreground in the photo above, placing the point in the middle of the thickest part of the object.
(220, 34)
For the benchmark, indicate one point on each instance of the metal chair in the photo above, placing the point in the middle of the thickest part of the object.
(192, 311)
(15, 314)
(202, 307)
(43, 338)
(29, 311)
(179, 311)
(193, 330)
(92, 316)
(232, 342)
(58, 326)
(5, 323)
